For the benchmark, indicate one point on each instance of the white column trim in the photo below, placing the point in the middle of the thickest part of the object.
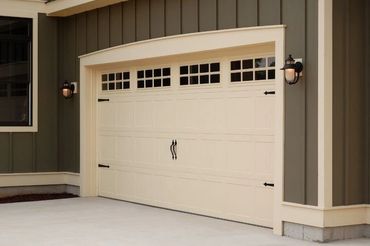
(325, 103)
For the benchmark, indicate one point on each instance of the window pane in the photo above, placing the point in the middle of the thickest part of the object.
(260, 62)
(235, 65)
(248, 64)
(166, 82)
(15, 76)
(247, 76)
(271, 61)
(184, 70)
(260, 75)
(236, 77)
(271, 74)
(184, 81)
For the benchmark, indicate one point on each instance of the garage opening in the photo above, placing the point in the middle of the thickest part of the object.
(193, 133)
(192, 122)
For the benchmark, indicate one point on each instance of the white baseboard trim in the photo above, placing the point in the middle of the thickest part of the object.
(45, 178)
(329, 217)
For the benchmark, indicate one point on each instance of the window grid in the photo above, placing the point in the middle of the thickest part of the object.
(115, 81)
(154, 78)
(199, 74)
(252, 69)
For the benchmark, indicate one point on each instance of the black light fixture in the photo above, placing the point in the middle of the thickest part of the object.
(68, 89)
(292, 70)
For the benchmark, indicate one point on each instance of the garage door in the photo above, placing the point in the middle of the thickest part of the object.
(195, 136)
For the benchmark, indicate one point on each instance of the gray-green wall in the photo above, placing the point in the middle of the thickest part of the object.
(351, 102)
(144, 19)
(38, 152)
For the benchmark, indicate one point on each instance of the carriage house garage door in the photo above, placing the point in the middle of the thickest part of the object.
(194, 135)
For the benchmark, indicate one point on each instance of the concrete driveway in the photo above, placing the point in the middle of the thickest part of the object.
(100, 221)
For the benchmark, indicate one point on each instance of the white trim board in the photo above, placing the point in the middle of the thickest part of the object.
(160, 48)
(61, 8)
(325, 104)
(65, 8)
(47, 178)
(330, 217)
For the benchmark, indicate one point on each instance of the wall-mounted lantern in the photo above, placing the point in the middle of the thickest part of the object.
(68, 89)
(292, 70)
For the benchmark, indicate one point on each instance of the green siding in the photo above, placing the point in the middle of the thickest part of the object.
(142, 19)
(350, 115)
(269, 11)
(46, 140)
(247, 13)
(295, 178)
(115, 20)
(207, 15)
(157, 18)
(190, 16)
(5, 153)
(173, 17)
(226, 13)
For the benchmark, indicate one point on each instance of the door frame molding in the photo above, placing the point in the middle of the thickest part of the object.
(171, 46)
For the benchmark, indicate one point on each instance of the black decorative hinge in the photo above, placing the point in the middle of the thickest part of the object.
(101, 165)
(269, 93)
(103, 100)
(268, 184)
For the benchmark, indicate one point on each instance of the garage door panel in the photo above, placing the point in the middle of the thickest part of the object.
(107, 182)
(212, 114)
(107, 115)
(164, 115)
(145, 151)
(189, 194)
(124, 149)
(126, 184)
(264, 200)
(148, 187)
(143, 114)
(187, 115)
(237, 204)
(265, 113)
(189, 152)
(106, 148)
(241, 114)
(264, 158)
(125, 114)
(241, 156)
(213, 154)
(213, 197)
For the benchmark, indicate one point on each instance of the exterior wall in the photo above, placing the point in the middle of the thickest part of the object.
(350, 102)
(37, 152)
(144, 19)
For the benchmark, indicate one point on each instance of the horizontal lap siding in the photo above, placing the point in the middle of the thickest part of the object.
(144, 19)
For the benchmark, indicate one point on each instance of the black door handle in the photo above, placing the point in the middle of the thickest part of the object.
(269, 93)
(175, 149)
(103, 100)
(171, 149)
(268, 184)
(101, 165)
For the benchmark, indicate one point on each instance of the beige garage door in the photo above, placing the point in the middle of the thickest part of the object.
(194, 136)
